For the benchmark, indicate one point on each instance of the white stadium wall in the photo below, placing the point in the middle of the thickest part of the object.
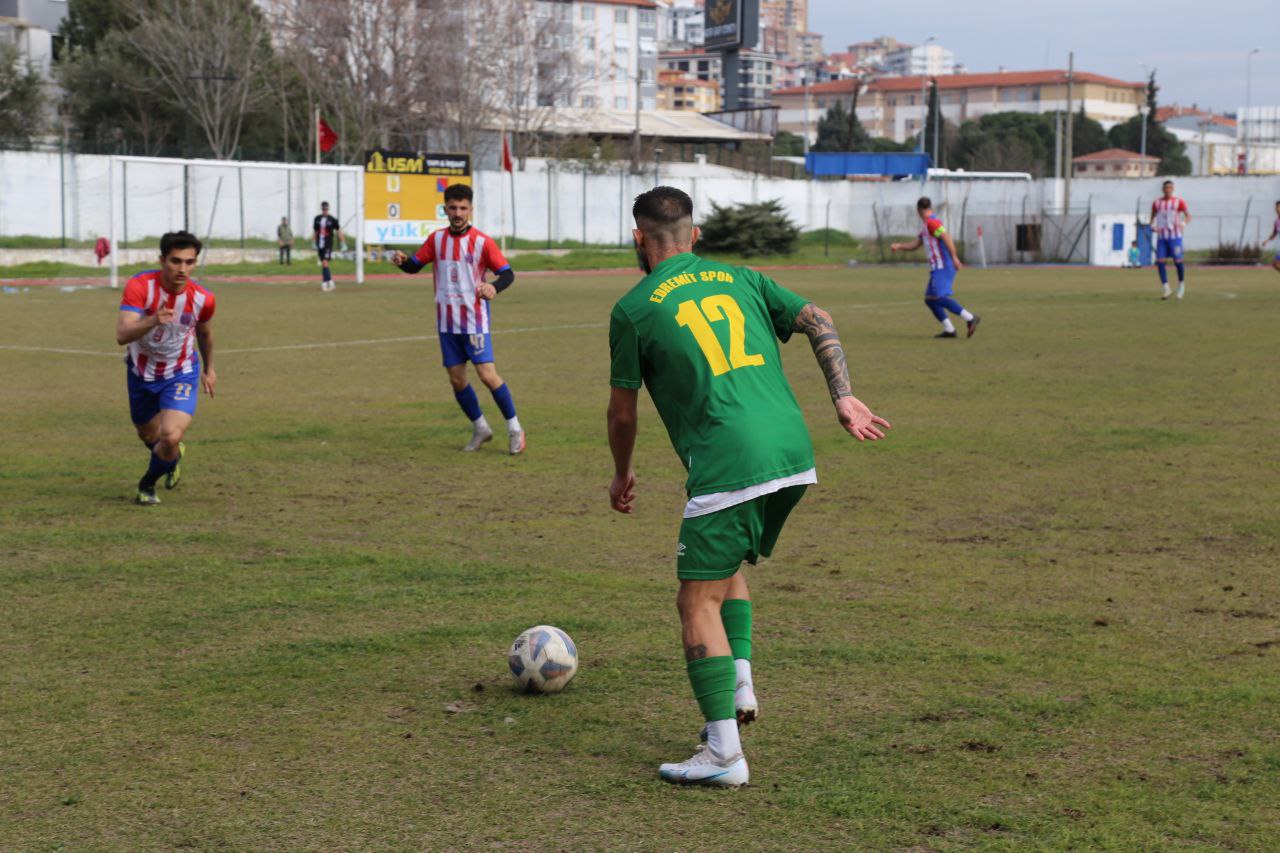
(38, 189)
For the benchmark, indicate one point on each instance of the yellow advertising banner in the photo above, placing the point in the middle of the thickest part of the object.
(404, 194)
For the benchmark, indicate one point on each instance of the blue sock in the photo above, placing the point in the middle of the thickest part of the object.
(1164, 273)
(950, 304)
(467, 400)
(502, 396)
(938, 310)
(157, 469)
(327, 274)
(1181, 271)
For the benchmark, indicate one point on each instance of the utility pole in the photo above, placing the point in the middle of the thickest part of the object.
(635, 136)
(1248, 85)
(1066, 164)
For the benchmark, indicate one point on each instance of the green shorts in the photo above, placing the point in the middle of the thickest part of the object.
(713, 546)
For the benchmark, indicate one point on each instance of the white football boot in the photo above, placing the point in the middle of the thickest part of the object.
(516, 442)
(478, 437)
(1165, 292)
(1182, 289)
(707, 768)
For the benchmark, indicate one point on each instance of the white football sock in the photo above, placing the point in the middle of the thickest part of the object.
(722, 738)
(966, 314)
(744, 670)
(948, 326)
(480, 425)
(513, 425)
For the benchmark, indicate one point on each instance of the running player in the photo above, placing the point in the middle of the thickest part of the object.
(460, 256)
(163, 313)
(325, 228)
(1168, 217)
(1275, 230)
(703, 337)
(944, 263)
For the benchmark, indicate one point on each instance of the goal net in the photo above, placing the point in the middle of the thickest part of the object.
(230, 205)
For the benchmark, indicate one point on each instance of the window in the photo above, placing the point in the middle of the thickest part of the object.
(620, 102)
(621, 16)
(588, 14)
(589, 102)
(589, 42)
(645, 18)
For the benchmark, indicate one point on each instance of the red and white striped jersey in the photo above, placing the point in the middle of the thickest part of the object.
(1166, 216)
(459, 264)
(931, 236)
(168, 350)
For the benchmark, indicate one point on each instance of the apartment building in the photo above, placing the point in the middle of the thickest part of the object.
(30, 26)
(615, 47)
(895, 107)
(683, 92)
(757, 70)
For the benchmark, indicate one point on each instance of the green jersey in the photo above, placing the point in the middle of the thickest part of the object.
(703, 338)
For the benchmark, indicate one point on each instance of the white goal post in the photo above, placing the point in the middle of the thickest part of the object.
(228, 201)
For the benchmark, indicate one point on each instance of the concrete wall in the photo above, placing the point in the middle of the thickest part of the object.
(38, 191)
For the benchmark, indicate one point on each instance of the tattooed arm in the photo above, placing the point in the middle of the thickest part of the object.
(854, 416)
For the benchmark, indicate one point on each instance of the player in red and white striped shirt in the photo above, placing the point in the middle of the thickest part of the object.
(1168, 217)
(164, 321)
(460, 256)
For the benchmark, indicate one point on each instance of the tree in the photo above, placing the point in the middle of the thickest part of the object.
(210, 57)
(1005, 142)
(788, 144)
(839, 130)
(22, 99)
(930, 124)
(1087, 135)
(1160, 142)
(749, 229)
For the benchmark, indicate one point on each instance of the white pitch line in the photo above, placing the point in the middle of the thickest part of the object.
(60, 350)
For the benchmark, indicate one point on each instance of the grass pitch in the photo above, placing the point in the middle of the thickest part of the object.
(1042, 615)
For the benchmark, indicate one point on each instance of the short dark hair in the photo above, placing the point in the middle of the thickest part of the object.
(1167, 183)
(324, 204)
(179, 240)
(924, 203)
(662, 210)
(458, 192)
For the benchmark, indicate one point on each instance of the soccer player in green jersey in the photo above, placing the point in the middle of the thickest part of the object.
(703, 338)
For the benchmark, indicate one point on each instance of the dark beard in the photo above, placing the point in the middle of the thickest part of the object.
(644, 262)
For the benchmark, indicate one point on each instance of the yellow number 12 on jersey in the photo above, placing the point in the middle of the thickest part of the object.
(714, 309)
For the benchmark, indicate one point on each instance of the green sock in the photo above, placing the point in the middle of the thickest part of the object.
(714, 680)
(735, 613)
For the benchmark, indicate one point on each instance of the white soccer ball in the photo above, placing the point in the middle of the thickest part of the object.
(543, 659)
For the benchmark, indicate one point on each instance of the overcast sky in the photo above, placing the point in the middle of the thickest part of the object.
(1198, 48)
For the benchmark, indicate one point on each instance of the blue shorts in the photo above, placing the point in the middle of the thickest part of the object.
(940, 283)
(147, 399)
(459, 349)
(1169, 247)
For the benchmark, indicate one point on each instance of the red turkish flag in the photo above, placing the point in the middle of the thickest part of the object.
(328, 137)
(507, 165)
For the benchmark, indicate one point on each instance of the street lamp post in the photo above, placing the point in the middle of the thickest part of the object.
(1248, 85)
(804, 82)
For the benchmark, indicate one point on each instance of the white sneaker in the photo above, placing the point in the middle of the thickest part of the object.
(1182, 288)
(1166, 292)
(327, 286)
(515, 442)
(706, 768)
(478, 437)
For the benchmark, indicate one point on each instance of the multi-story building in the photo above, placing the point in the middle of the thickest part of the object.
(614, 45)
(30, 25)
(895, 107)
(785, 15)
(684, 92)
(757, 72)
(681, 24)
(909, 61)
(872, 52)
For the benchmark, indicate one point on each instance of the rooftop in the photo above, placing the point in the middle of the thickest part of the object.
(962, 81)
(1111, 155)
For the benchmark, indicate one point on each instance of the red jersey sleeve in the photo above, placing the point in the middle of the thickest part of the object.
(933, 226)
(493, 258)
(426, 252)
(210, 305)
(135, 296)
(1182, 206)
(1153, 210)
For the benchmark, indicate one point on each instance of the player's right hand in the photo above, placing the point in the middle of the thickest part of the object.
(398, 258)
(859, 421)
(164, 315)
(622, 492)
